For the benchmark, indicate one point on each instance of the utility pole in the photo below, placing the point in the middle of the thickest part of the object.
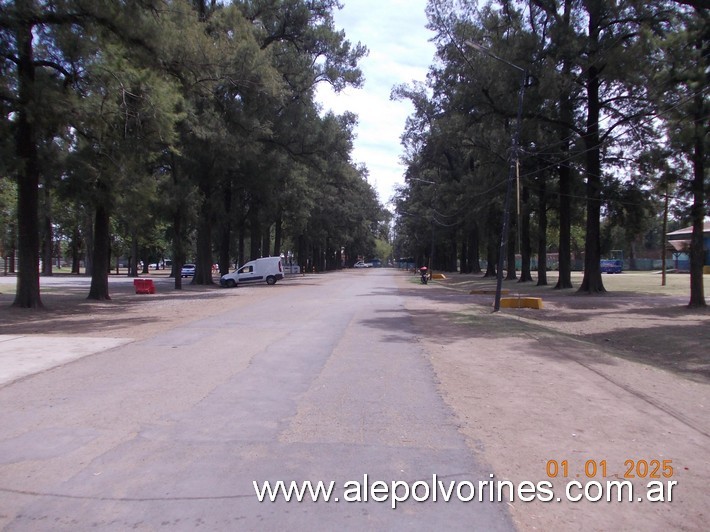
(512, 170)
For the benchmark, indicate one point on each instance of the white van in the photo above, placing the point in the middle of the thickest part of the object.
(268, 269)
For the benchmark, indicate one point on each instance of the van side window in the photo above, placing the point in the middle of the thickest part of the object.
(246, 269)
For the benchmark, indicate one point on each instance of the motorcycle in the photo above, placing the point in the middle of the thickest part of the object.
(425, 274)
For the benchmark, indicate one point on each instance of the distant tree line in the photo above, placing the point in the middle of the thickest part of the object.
(614, 133)
(177, 128)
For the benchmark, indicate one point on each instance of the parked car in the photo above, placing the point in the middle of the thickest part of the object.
(361, 264)
(292, 268)
(265, 269)
(188, 270)
(611, 265)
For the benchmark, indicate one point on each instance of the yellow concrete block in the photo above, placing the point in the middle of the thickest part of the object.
(438, 276)
(521, 302)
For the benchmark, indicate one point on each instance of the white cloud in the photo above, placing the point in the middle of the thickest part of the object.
(400, 52)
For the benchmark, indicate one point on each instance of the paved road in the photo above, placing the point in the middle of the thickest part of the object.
(322, 379)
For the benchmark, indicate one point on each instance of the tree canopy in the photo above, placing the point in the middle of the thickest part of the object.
(183, 129)
(606, 84)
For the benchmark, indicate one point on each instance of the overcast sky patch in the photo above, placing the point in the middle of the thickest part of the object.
(400, 52)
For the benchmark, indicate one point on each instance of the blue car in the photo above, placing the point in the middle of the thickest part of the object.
(611, 266)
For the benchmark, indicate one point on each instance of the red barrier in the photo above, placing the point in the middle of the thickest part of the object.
(144, 286)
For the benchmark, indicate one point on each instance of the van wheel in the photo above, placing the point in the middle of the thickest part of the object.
(231, 283)
(271, 279)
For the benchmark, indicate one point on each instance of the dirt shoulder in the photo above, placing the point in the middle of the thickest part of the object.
(609, 382)
(126, 315)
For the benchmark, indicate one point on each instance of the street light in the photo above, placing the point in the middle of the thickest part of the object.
(511, 170)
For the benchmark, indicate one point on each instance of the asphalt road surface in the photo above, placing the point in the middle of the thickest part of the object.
(318, 380)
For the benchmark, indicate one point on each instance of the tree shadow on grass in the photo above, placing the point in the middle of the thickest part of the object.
(652, 330)
(682, 349)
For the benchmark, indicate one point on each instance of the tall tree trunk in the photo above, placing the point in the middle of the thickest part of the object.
(225, 232)
(47, 233)
(27, 294)
(57, 254)
(146, 261)
(224, 250)
(302, 259)
(432, 250)
(11, 259)
(474, 257)
(178, 225)
(511, 272)
(241, 246)
(204, 259)
(564, 279)
(266, 242)
(492, 245)
(592, 280)
(664, 238)
(453, 252)
(278, 233)
(178, 247)
(203, 262)
(525, 248)
(697, 253)
(133, 259)
(316, 266)
(47, 246)
(491, 257)
(75, 247)
(328, 258)
(254, 233)
(463, 256)
(102, 246)
(542, 232)
(89, 241)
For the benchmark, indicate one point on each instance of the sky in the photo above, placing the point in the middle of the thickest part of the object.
(400, 52)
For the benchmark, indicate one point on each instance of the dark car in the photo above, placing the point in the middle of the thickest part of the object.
(188, 270)
(611, 266)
